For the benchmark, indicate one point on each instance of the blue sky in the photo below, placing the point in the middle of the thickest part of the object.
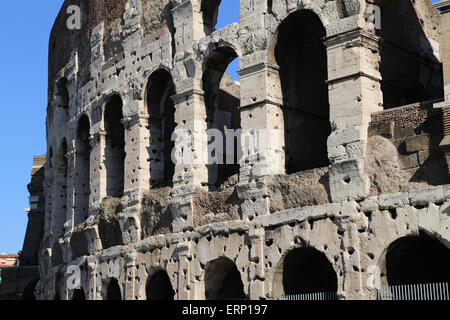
(25, 29)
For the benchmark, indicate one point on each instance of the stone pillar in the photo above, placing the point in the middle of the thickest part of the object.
(92, 279)
(70, 213)
(262, 124)
(137, 168)
(188, 22)
(352, 287)
(48, 204)
(59, 210)
(354, 83)
(130, 280)
(444, 7)
(262, 119)
(98, 171)
(256, 267)
(185, 292)
(191, 145)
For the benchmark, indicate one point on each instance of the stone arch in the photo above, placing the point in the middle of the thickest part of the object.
(82, 170)
(314, 6)
(78, 295)
(223, 281)
(114, 146)
(415, 259)
(300, 55)
(409, 69)
(159, 286)
(113, 290)
(304, 270)
(222, 102)
(161, 110)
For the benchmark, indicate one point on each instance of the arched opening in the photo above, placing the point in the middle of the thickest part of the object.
(222, 102)
(223, 281)
(62, 94)
(113, 290)
(409, 68)
(217, 14)
(417, 260)
(78, 295)
(28, 292)
(306, 270)
(82, 170)
(60, 190)
(303, 69)
(159, 287)
(162, 124)
(115, 147)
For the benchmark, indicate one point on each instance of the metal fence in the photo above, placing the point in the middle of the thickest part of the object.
(319, 296)
(429, 291)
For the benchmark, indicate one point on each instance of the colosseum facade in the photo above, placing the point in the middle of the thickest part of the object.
(347, 173)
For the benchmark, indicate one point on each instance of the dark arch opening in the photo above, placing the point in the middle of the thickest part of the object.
(82, 170)
(50, 156)
(302, 59)
(410, 71)
(159, 287)
(417, 260)
(162, 124)
(210, 13)
(306, 270)
(115, 147)
(28, 292)
(223, 281)
(78, 295)
(222, 102)
(62, 94)
(113, 290)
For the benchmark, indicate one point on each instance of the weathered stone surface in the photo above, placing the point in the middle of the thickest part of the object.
(317, 184)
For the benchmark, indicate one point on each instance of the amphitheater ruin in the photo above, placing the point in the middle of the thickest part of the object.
(351, 183)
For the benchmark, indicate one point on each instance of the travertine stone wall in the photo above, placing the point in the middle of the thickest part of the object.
(121, 45)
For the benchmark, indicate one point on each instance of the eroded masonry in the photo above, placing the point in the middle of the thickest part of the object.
(357, 181)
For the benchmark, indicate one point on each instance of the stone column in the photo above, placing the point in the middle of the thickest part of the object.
(70, 213)
(59, 210)
(444, 7)
(354, 83)
(137, 169)
(130, 263)
(49, 199)
(262, 124)
(92, 279)
(188, 22)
